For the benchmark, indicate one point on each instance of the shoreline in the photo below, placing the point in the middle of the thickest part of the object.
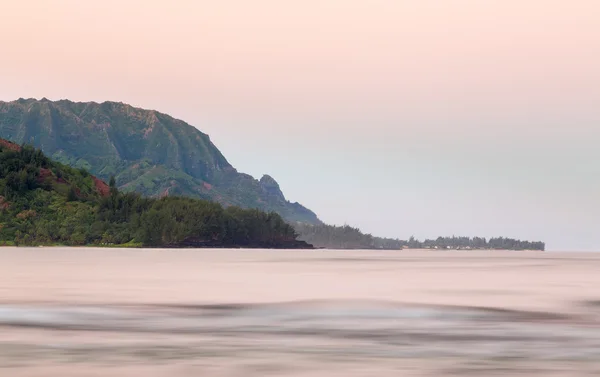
(258, 247)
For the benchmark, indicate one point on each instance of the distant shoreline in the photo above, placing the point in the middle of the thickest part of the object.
(253, 248)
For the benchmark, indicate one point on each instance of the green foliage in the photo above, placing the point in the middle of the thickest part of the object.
(44, 203)
(498, 243)
(346, 237)
(147, 152)
(343, 237)
(155, 155)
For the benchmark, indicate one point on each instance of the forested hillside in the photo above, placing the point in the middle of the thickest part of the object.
(147, 151)
(43, 202)
(155, 155)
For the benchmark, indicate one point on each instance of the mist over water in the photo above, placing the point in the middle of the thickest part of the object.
(89, 312)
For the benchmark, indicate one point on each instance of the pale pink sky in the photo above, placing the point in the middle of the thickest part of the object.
(403, 117)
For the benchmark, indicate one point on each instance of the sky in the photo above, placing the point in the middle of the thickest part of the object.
(424, 118)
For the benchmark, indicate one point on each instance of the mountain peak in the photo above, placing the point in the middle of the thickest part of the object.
(271, 187)
(267, 180)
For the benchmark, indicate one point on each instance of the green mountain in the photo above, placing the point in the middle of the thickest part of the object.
(147, 151)
(43, 202)
(158, 156)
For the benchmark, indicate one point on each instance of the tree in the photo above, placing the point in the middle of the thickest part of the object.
(72, 195)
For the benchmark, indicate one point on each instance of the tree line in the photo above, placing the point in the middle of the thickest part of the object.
(347, 237)
(43, 202)
(465, 243)
(343, 237)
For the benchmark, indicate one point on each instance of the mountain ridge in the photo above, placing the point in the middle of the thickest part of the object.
(147, 151)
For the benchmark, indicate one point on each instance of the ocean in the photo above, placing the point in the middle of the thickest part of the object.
(151, 312)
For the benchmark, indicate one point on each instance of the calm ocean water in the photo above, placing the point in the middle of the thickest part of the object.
(99, 312)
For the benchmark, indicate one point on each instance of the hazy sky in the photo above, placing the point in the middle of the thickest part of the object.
(420, 117)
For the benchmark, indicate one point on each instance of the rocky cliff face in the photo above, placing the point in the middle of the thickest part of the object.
(146, 150)
(271, 187)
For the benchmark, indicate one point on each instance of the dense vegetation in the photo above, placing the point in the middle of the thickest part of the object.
(344, 237)
(498, 243)
(43, 202)
(155, 155)
(347, 237)
(148, 152)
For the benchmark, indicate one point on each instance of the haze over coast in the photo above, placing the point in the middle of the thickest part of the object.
(399, 117)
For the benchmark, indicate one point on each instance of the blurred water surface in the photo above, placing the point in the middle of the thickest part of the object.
(95, 312)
